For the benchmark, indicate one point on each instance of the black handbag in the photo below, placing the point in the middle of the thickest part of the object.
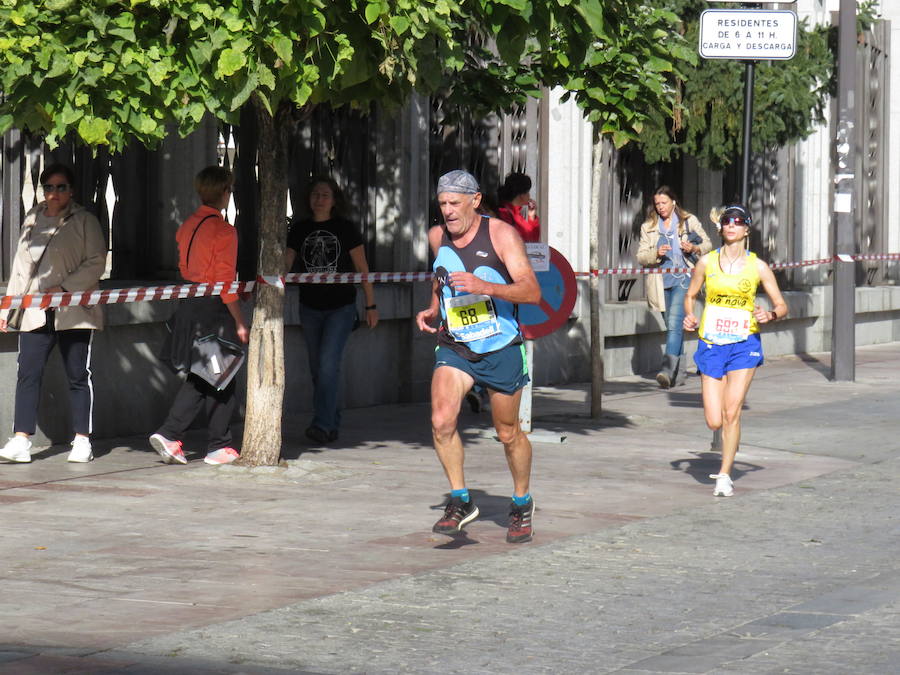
(216, 360)
(696, 240)
(14, 318)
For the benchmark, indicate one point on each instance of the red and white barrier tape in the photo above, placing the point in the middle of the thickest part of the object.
(356, 277)
(843, 257)
(144, 293)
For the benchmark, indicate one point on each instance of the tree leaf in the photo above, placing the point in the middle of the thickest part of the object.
(284, 48)
(94, 131)
(373, 11)
(400, 24)
(250, 83)
(230, 61)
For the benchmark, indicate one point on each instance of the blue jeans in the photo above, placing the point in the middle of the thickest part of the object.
(326, 332)
(674, 317)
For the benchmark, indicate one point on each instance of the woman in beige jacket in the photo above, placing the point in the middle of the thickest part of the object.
(670, 238)
(61, 248)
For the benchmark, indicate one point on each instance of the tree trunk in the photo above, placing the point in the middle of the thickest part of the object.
(596, 283)
(265, 360)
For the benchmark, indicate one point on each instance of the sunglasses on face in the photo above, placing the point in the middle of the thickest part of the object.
(733, 221)
(50, 187)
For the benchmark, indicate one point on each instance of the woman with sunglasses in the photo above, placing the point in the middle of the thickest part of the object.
(730, 350)
(61, 248)
(671, 239)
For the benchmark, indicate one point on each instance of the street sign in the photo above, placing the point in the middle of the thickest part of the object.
(751, 34)
(538, 255)
(558, 294)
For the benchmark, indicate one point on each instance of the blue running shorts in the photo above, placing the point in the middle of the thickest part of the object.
(505, 370)
(716, 360)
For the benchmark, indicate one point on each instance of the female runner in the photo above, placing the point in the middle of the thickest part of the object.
(730, 351)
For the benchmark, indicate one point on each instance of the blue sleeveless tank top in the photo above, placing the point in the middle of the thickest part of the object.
(474, 325)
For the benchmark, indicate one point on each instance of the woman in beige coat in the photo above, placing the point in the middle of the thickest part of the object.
(61, 248)
(670, 238)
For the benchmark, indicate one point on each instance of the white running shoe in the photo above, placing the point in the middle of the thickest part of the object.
(222, 456)
(81, 450)
(724, 485)
(17, 449)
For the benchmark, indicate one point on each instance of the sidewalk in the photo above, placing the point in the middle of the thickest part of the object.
(328, 565)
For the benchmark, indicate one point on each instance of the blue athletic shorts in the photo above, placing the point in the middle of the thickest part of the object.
(716, 360)
(505, 370)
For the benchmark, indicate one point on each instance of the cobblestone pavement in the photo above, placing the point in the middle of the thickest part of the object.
(328, 565)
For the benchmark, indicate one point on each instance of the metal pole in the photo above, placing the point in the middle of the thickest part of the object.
(749, 75)
(13, 161)
(843, 317)
(528, 391)
(597, 288)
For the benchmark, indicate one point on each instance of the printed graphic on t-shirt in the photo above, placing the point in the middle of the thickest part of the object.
(320, 252)
(443, 279)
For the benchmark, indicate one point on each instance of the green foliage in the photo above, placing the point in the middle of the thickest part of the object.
(619, 59)
(114, 71)
(867, 14)
(633, 55)
(789, 97)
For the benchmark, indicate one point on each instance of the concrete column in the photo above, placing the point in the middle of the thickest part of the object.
(890, 11)
(404, 190)
(568, 181)
(812, 215)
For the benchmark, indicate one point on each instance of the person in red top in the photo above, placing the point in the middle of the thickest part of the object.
(514, 196)
(207, 253)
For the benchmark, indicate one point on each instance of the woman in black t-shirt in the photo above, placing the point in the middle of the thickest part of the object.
(327, 242)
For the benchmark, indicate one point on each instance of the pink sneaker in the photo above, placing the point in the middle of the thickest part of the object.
(222, 456)
(170, 451)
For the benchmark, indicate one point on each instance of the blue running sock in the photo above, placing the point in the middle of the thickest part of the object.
(462, 494)
(521, 501)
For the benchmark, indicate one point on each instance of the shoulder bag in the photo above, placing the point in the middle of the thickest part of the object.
(15, 316)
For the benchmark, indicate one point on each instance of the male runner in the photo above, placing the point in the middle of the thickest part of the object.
(481, 274)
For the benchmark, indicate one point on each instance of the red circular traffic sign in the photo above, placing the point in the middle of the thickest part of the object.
(558, 294)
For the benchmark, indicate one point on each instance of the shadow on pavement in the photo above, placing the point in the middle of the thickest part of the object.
(704, 463)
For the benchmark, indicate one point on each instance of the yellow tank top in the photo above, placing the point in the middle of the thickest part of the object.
(728, 312)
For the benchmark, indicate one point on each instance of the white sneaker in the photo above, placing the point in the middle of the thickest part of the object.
(222, 456)
(17, 449)
(724, 485)
(81, 450)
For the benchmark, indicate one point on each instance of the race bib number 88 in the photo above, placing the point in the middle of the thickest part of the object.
(726, 325)
(471, 317)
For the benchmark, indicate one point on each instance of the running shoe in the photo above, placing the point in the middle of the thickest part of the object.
(222, 456)
(724, 485)
(456, 514)
(170, 451)
(81, 450)
(520, 523)
(17, 449)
